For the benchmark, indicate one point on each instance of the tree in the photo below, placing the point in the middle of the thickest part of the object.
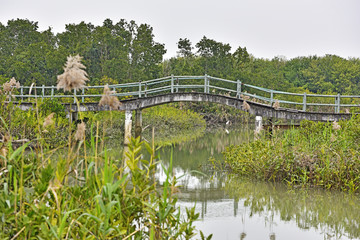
(185, 48)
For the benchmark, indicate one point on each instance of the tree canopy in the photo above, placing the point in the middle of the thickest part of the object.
(126, 52)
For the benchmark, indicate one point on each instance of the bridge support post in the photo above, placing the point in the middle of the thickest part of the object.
(128, 122)
(258, 124)
(74, 116)
(138, 123)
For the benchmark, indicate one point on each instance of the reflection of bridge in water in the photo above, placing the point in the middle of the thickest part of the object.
(258, 101)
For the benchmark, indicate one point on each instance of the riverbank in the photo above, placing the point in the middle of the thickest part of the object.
(317, 154)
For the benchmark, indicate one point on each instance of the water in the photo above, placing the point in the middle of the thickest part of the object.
(232, 208)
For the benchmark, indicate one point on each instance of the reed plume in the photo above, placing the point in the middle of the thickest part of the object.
(106, 99)
(48, 120)
(276, 105)
(246, 106)
(336, 126)
(244, 97)
(9, 86)
(74, 76)
(80, 132)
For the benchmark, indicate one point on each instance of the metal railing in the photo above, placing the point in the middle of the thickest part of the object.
(206, 84)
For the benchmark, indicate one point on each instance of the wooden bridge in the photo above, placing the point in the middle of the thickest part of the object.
(260, 101)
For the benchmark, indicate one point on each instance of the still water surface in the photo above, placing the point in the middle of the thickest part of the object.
(231, 208)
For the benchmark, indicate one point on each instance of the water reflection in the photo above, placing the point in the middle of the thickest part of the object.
(238, 209)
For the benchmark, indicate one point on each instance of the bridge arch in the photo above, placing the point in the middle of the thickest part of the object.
(256, 109)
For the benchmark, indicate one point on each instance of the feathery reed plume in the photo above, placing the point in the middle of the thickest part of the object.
(80, 132)
(48, 120)
(276, 105)
(336, 126)
(106, 99)
(246, 106)
(74, 76)
(244, 97)
(9, 86)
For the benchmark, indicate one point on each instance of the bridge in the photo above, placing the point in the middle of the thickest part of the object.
(256, 100)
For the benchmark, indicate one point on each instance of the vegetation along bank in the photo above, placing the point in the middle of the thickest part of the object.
(317, 154)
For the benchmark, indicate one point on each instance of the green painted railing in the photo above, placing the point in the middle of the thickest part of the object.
(206, 84)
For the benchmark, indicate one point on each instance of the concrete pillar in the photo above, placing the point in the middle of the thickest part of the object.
(73, 116)
(138, 123)
(258, 123)
(128, 122)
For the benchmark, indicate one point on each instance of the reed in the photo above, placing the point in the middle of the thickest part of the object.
(74, 193)
(317, 154)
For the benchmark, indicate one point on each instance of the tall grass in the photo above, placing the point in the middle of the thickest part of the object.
(50, 201)
(77, 191)
(316, 154)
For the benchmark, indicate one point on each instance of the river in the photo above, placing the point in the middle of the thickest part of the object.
(233, 208)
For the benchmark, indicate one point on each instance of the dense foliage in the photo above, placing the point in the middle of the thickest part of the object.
(76, 191)
(127, 52)
(316, 154)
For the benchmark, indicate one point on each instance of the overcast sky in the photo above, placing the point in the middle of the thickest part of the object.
(267, 28)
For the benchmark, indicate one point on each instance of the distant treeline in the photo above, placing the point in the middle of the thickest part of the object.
(126, 52)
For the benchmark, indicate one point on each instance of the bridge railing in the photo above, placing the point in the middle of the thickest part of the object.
(205, 84)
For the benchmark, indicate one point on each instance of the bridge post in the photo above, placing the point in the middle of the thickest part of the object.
(139, 89)
(128, 122)
(304, 102)
(172, 83)
(138, 123)
(83, 93)
(337, 104)
(205, 80)
(74, 95)
(43, 91)
(238, 88)
(52, 91)
(22, 92)
(177, 85)
(206, 84)
(271, 97)
(74, 116)
(258, 124)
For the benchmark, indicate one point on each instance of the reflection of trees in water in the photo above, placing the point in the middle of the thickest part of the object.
(190, 155)
(334, 213)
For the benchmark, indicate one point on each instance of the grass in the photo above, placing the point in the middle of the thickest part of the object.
(75, 190)
(316, 154)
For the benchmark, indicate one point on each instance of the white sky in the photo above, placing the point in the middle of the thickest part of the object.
(267, 28)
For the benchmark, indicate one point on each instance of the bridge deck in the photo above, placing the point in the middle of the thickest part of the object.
(257, 109)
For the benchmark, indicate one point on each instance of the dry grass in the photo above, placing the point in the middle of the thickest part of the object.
(74, 76)
(336, 126)
(80, 132)
(244, 97)
(111, 101)
(48, 120)
(246, 106)
(276, 105)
